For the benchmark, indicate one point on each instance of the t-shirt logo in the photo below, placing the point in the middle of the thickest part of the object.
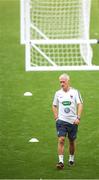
(71, 96)
(67, 110)
(66, 103)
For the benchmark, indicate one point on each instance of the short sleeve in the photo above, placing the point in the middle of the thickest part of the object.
(78, 98)
(55, 100)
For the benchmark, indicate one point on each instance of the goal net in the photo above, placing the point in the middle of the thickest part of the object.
(56, 34)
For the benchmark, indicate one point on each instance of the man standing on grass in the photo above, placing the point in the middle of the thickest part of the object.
(67, 108)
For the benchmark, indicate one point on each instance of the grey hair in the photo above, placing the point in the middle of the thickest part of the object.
(64, 76)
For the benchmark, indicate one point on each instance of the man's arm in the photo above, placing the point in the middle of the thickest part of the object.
(79, 112)
(55, 111)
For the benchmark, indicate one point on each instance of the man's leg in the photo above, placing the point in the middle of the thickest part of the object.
(61, 132)
(71, 147)
(72, 134)
(61, 141)
(71, 151)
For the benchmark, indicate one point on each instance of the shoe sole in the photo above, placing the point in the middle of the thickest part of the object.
(70, 165)
(59, 167)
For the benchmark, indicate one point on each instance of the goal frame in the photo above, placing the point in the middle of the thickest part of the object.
(25, 39)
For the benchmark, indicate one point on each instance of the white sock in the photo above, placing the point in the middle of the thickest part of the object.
(71, 157)
(61, 158)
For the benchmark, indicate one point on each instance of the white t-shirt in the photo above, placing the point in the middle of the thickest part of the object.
(67, 104)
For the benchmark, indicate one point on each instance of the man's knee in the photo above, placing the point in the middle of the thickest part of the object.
(61, 140)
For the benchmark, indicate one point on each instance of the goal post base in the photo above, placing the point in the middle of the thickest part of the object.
(64, 68)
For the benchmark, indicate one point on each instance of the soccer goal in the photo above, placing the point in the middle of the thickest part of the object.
(56, 34)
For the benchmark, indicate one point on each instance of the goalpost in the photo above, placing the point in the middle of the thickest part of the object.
(56, 34)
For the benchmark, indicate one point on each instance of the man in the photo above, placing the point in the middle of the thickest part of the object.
(67, 108)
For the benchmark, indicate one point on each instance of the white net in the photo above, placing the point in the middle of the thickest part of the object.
(55, 21)
(61, 55)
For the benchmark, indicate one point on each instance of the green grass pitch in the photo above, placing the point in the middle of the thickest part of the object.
(22, 118)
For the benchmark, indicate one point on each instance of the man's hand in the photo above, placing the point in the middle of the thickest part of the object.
(77, 121)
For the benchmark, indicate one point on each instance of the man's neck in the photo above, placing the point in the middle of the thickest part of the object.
(67, 89)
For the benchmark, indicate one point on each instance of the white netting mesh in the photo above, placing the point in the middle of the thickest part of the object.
(57, 19)
(61, 55)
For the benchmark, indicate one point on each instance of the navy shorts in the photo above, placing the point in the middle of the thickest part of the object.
(65, 128)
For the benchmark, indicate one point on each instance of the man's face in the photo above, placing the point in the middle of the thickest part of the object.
(64, 83)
